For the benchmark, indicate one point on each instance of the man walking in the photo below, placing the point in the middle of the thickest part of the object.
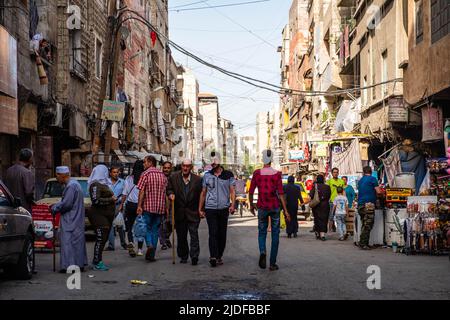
(270, 193)
(185, 188)
(335, 182)
(165, 230)
(117, 185)
(152, 203)
(71, 207)
(368, 189)
(20, 180)
(217, 201)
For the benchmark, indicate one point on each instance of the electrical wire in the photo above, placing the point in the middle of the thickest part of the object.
(219, 6)
(249, 80)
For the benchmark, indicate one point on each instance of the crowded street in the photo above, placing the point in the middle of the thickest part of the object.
(309, 269)
(211, 151)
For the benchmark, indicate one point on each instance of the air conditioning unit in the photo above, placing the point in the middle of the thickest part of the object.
(58, 116)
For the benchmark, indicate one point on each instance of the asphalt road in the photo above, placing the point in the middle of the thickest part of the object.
(309, 269)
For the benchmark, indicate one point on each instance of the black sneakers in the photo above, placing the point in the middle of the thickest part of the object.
(274, 267)
(213, 262)
(194, 261)
(262, 261)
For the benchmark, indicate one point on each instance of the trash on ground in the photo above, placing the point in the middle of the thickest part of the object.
(139, 282)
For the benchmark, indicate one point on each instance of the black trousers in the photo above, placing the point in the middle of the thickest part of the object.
(217, 225)
(130, 218)
(182, 229)
(101, 236)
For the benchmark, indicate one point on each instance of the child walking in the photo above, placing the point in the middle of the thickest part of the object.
(340, 209)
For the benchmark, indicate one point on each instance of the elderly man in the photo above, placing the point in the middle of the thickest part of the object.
(184, 188)
(71, 207)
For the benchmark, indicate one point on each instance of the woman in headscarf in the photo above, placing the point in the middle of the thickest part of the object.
(322, 211)
(102, 211)
(293, 196)
(130, 199)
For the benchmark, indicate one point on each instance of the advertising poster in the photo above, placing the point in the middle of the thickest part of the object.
(43, 225)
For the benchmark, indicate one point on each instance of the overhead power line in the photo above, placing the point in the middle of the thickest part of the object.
(218, 6)
(249, 80)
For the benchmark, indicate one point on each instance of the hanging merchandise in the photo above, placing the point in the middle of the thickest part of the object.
(160, 121)
(427, 226)
(432, 129)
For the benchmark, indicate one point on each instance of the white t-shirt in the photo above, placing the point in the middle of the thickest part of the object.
(341, 203)
(131, 190)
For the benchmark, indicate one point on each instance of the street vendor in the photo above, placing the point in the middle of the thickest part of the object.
(71, 208)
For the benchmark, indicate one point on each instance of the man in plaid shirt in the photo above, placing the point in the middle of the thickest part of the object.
(152, 203)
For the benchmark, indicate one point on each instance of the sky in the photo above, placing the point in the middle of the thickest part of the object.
(242, 39)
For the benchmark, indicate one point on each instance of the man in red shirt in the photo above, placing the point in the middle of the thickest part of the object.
(152, 203)
(270, 193)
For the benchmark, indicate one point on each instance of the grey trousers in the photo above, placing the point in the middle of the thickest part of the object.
(182, 229)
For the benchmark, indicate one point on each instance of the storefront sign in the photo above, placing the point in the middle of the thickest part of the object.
(432, 124)
(113, 110)
(314, 136)
(322, 149)
(296, 155)
(28, 117)
(397, 110)
(9, 117)
(8, 64)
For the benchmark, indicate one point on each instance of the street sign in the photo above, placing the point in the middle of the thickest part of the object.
(113, 110)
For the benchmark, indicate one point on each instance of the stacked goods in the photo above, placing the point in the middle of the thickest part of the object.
(349, 222)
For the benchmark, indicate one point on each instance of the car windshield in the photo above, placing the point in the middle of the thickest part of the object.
(53, 189)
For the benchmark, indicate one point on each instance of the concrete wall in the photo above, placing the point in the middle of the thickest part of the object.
(428, 71)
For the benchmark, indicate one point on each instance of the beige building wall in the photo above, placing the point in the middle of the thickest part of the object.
(382, 48)
(428, 70)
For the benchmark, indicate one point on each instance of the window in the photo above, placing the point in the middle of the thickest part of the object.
(419, 21)
(4, 198)
(98, 58)
(364, 92)
(440, 18)
(384, 73)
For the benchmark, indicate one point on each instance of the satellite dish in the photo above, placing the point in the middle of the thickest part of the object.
(158, 103)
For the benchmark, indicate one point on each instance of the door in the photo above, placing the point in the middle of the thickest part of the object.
(9, 242)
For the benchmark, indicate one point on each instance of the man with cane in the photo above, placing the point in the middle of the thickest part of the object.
(184, 191)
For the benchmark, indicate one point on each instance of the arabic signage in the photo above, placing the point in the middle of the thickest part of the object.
(314, 136)
(113, 110)
(397, 111)
(432, 124)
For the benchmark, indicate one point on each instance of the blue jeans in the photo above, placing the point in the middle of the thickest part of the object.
(263, 224)
(341, 227)
(153, 221)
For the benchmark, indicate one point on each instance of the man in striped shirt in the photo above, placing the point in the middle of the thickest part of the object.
(152, 203)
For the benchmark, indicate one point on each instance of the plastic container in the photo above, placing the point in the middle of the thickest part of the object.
(405, 180)
(394, 247)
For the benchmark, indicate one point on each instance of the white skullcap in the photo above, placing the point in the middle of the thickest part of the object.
(187, 161)
(63, 170)
(267, 156)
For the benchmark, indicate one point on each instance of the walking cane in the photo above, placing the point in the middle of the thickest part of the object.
(173, 232)
(54, 243)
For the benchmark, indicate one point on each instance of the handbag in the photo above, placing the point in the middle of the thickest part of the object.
(316, 199)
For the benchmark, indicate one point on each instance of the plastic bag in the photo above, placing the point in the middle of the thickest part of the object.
(282, 221)
(140, 229)
(119, 221)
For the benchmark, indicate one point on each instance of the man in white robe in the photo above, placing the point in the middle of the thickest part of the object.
(72, 225)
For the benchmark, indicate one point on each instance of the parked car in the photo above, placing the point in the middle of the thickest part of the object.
(16, 236)
(54, 190)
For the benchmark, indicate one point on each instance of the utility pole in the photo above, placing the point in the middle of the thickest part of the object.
(109, 61)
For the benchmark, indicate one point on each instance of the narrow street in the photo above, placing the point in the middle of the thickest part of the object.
(309, 269)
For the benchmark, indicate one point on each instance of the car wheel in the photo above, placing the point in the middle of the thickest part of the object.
(25, 267)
